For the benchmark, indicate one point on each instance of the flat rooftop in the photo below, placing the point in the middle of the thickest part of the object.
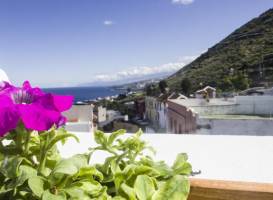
(202, 102)
(247, 117)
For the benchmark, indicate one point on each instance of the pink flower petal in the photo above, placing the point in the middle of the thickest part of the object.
(63, 103)
(9, 115)
(36, 117)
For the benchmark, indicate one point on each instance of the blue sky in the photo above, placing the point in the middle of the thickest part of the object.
(68, 42)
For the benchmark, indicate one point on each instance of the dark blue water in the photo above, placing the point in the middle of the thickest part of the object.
(84, 93)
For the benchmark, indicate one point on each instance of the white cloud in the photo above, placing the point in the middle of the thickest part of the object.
(143, 72)
(183, 2)
(108, 22)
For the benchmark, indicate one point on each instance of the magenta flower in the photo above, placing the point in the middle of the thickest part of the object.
(9, 115)
(36, 109)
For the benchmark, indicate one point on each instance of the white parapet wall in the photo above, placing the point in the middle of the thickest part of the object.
(236, 126)
(234, 158)
(254, 105)
(79, 127)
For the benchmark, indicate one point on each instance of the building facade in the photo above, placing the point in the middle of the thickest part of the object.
(180, 118)
(80, 118)
(156, 113)
(241, 115)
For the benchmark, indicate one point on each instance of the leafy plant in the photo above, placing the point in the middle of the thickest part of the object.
(127, 173)
(31, 168)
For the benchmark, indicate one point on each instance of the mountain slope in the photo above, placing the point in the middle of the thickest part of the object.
(248, 49)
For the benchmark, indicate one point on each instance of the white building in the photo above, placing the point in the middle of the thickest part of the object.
(206, 92)
(79, 118)
(241, 115)
(101, 114)
(156, 113)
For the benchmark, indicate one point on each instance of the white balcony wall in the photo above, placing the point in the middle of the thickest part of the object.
(235, 158)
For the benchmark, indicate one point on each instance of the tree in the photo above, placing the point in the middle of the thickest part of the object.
(186, 86)
(227, 84)
(151, 90)
(162, 86)
(240, 81)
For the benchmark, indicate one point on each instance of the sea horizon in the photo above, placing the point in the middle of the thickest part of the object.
(85, 93)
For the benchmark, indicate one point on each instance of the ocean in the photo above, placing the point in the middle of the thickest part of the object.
(84, 93)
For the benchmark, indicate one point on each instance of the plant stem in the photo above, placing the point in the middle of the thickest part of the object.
(18, 140)
(27, 142)
(43, 153)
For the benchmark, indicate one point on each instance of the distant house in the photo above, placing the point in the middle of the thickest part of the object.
(156, 109)
(180, 118)
(155, 112)
(140, 108)
(207, 92)
(80, 118)
(176, 95)
(100, 115)
(112, 114)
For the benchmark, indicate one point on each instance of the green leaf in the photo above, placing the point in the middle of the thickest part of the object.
(181, 166)
(76, 193)
(48, 196)
(139, 133)
(119, 178)
(180, 158)
(128, 191)
(89, 171)
(144, 187)
(36, 184)
(129, 170)
(118, 198)
(176, 188)
(114, 135)
(150, 171)
(61, 137)
(160, 167)
(114, 166)
(10, 166)
(71, 165)
(100, 138)
(90, 187)
(25, 172)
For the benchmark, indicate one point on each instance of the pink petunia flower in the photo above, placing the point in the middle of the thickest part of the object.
(36, 109)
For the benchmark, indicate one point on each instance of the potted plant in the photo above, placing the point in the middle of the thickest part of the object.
(31, 124)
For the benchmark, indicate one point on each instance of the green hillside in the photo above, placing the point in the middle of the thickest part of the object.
(248, 51)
